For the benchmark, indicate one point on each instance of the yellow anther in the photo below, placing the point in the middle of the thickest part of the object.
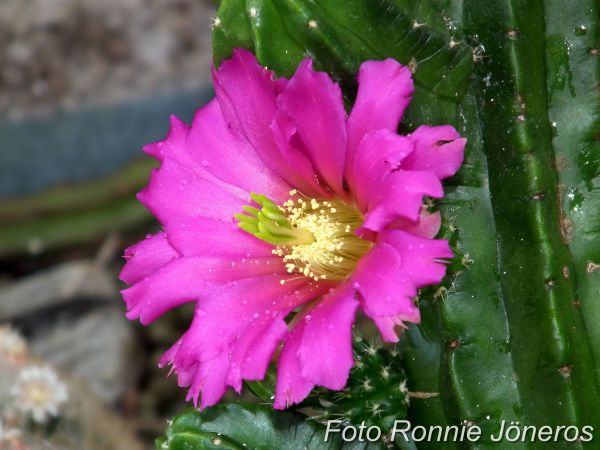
(334, 249)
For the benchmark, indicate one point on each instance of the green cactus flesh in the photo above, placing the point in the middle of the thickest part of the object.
(512, 333)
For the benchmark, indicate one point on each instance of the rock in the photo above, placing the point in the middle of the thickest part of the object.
(69, 282)
(97, 347)
(74, 318)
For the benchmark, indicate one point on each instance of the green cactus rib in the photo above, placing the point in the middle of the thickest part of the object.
(464, 320)
(454, 352)
(572, 70)
(422, 356)
(551, 351)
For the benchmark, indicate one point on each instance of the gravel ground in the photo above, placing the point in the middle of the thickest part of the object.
(57, 54)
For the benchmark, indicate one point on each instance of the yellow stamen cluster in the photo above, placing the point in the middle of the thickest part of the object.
(334, 249)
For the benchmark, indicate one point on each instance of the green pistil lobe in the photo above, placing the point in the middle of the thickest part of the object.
(270, 224)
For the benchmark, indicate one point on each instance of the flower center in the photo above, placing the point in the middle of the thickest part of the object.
(38, 394)
(315, 237)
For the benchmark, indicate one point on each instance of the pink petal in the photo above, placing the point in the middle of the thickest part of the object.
(196, 212)
(314, 104)
(378, 153)
(254, 349)
(173, 144)
(326, 348)
(210, 379)
(146, 257)
(234, 333)
(385, 288)
(422, 259)
(227, 156)
(428, 225)
(170, 286)
(195, 207)
(226, 311)
(284, 131)
(169, 355)
(291, 387)
(384, 91)
(187, 279)
(387, 324)
(246, 93)
(400, 194)
(198, 236)
(212, 150)
(176, 192)
(438, 149)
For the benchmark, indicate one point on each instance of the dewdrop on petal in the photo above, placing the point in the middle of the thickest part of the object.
(39, 393)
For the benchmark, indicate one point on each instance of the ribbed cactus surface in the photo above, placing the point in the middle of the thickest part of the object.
(513, 332)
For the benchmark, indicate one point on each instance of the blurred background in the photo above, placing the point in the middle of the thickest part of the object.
(83, 85)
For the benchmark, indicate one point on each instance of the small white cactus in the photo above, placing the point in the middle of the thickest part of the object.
(39, 393)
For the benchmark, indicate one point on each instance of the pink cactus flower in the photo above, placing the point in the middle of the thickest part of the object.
(282, 216)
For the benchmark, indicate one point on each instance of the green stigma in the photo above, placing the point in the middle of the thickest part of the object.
(270, 224)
